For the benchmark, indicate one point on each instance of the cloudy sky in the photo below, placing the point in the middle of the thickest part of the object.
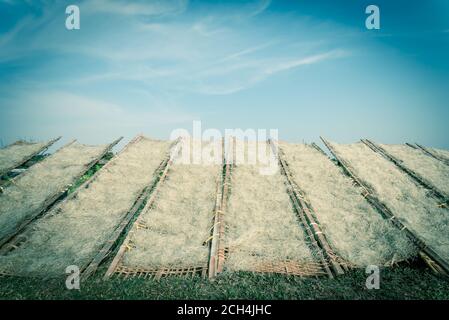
(307, 68)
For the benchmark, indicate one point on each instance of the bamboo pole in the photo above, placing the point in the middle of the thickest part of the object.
(218, 219)
(317, 147)
(411, 146)
(213, 248)
(228, 163)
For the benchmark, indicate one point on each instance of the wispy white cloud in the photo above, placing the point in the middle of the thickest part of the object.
(206, 30)
(141, 64)
(257, 71)
(8, 36)
(22, 29)
(138, 7)
(223, 78)
(90, 119)
(69, 107)
(14, 2)
(247, 51)
(260, 7)
(292, 64)
(172, 56)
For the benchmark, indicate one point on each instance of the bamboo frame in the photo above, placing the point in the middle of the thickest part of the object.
(54, 210)
(20, 176)
(309, 221)
(430, 257)
(432, 154)
(52, 199)
(26, 159)
(151, 192)
(415, 176)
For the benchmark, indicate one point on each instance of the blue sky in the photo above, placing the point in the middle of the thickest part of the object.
(307, 68)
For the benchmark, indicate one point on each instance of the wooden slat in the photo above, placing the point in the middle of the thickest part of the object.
(432, 259)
